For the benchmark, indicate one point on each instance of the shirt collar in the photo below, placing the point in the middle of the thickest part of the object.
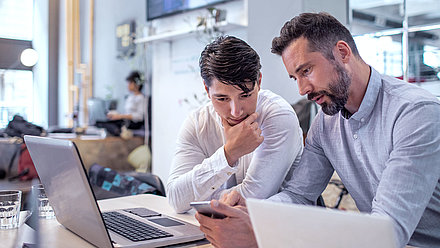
(370, 97)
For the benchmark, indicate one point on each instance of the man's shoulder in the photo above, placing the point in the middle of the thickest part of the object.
(137, 97)
(402, 92)
(204, 114)
(269, 101)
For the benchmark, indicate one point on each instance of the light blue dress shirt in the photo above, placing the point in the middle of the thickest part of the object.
(387, 154)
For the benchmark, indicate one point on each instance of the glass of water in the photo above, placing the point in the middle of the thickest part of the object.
(44, 209)
(10, 202)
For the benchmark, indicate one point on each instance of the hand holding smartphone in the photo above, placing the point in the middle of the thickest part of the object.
(204, 207)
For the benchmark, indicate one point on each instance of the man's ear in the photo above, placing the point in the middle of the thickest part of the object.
(207, 89)
(259, 80)
(342, 51)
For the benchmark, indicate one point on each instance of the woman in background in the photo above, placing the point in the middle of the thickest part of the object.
(134, 103)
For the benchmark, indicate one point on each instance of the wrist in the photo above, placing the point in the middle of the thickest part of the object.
(230, 158)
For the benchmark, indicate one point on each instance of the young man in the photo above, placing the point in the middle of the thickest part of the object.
(245, 139)
(380, 134)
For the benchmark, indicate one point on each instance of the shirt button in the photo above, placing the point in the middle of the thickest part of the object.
(229, 173)
(362, 119)
(213, 188)
(355, 136)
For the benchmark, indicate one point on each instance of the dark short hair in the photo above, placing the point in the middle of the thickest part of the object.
(135, 77)
(231, 61)
(321, 30)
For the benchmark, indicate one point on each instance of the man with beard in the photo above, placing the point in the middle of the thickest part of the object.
(380, 134)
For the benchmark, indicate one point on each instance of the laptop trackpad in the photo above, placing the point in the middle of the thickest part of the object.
(166, 222)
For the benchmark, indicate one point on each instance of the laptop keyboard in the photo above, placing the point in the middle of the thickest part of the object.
(132, 229)
(142, 212)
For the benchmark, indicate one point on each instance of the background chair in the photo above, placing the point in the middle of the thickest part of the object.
(320, 201)
(150, 179)
(108, 183)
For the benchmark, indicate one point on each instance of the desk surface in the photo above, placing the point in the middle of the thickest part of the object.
(53, 234)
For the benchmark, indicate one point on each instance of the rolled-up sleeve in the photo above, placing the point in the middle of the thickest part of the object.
(194, 176)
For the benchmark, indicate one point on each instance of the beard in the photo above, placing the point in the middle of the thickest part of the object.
(338, 92)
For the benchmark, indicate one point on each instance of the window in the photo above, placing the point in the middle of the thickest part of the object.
(16, 80)
(15, 96)
(411, 51)
(16, 19)
(383, 53)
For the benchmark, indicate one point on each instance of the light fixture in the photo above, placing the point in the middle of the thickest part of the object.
(29, 57)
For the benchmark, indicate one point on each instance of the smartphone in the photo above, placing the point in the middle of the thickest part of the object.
(204, 207)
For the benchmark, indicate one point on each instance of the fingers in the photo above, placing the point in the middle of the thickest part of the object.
(254, 126)
(258, 132)
(229, 199)
(206, 230)
(212, 240)
(224, 197)
(225, 124)
(204, 221)
(232, 198)
(225, 209)
(242, 208)
(251, 118)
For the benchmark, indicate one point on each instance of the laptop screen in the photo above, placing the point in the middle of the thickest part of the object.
(66, 184)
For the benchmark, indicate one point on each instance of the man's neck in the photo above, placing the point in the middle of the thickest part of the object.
(360, 76)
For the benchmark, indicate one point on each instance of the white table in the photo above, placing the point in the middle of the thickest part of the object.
(53, 234)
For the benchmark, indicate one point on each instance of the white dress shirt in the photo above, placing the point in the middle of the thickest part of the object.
(135, 105)
(201, 172)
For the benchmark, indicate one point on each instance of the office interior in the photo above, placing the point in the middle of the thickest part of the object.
(86, 48)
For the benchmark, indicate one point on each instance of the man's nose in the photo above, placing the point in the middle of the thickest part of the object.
(304, 87)
(236, 108)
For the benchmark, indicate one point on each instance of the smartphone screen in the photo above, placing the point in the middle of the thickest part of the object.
(204, 207)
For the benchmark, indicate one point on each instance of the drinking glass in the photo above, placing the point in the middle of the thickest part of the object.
(44, 208)
(10, 202)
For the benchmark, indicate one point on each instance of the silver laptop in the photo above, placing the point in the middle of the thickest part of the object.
(62, 173)
(290, 225)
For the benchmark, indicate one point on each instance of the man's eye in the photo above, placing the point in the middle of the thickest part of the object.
(246, 95)
(307, 71)
(222, 99)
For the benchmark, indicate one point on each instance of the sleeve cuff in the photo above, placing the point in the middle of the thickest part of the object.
(220, 165)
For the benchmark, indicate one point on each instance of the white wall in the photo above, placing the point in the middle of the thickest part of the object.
(62, 68)
(173, 81)
(41, 69)
(174, 67)
(265, 21)
(337, 8)
(109, 70)
(176, 76)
